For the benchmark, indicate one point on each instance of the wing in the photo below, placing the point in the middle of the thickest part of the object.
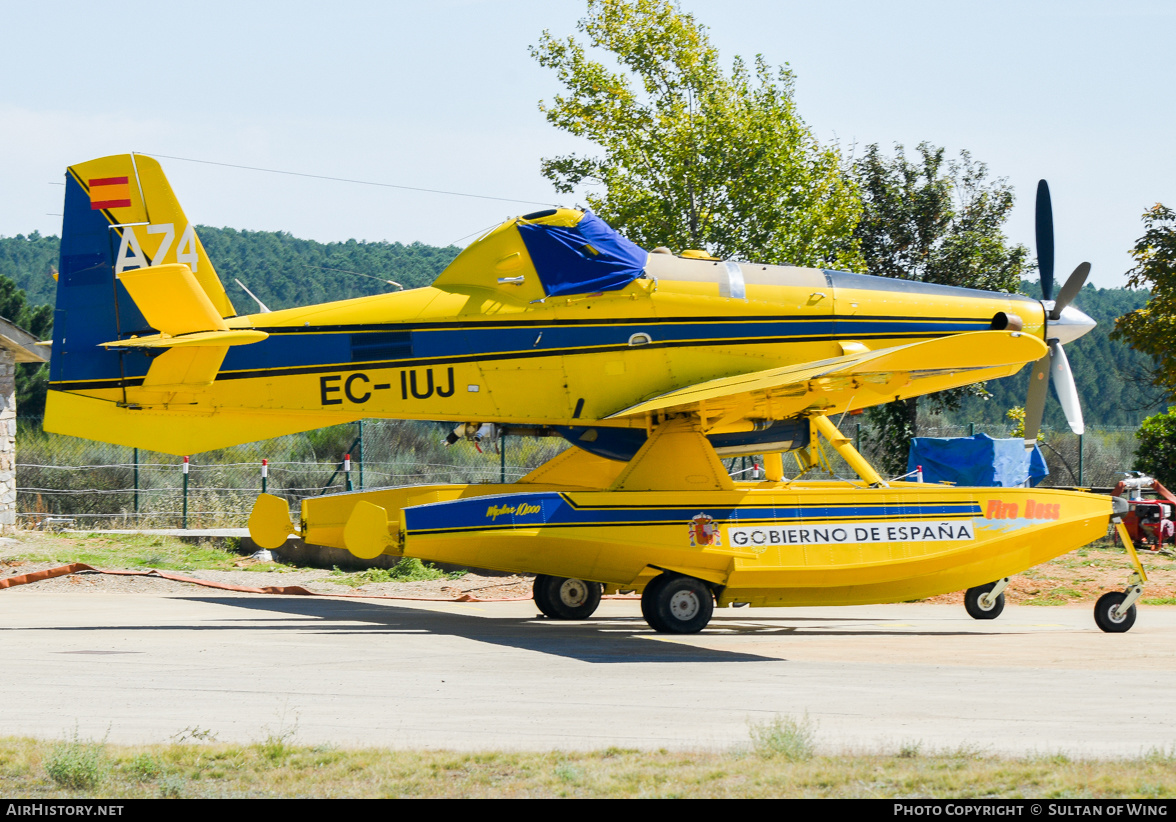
(854, 381)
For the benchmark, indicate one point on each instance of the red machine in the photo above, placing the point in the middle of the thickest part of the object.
(1152, 509)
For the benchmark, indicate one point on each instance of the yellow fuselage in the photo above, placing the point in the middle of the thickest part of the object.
(470, 349)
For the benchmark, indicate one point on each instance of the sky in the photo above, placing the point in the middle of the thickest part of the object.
(444, 95)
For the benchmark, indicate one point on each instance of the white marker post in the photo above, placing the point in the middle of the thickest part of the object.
(184, 524)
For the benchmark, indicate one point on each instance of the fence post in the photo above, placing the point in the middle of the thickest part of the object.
(136, 458)
(1081, 442)
(971, 429)
(185, 515)
(264, 474)
(361, 455)
(502, 456)
(347, 471)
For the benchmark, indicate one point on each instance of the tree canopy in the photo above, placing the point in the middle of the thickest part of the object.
(1156, 454)
(935, 221)
(32, 379)
(1152, 329)
(691, 156)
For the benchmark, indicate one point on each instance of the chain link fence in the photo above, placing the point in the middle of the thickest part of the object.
(101, 485)
(69, 481)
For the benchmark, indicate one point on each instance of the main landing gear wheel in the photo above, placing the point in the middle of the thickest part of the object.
(981, 606)
(1108, 616)
(673, 604)
(561, 598)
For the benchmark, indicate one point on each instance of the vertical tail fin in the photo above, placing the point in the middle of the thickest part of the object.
(120, 214)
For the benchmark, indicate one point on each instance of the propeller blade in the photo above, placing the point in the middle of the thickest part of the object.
(1070, 290)
(1063, 381)
(1035, 402)
(1045, 239)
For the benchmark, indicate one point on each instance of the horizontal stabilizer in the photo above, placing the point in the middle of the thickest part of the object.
(171, 300)
(185, 369)
(232, 336)
(857, 380)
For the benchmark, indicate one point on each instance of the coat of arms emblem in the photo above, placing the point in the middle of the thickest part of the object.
(704, 531)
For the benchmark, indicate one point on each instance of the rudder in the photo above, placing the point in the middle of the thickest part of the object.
(120, 214)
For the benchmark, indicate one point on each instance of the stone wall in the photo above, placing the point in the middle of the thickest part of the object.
(7, 442)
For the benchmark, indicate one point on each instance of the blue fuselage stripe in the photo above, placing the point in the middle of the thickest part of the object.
(293, 349)
(553, 509)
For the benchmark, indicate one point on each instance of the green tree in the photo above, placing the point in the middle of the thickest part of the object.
(1156, 455)
(692, 156)
(933, 221)
(1152, 329)
(32, 380)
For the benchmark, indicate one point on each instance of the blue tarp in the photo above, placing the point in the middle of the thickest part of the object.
(977, 461)
(583, 258)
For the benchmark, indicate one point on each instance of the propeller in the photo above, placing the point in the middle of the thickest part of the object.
(1063, 323)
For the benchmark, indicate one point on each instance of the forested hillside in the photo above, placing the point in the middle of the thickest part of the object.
(30, 262)
(285, 271)
(1110, 376)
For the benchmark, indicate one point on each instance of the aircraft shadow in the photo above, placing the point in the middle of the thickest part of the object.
(599, 640)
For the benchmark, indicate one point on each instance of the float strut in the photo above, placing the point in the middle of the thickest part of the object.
(1134, 588)
(844, 446)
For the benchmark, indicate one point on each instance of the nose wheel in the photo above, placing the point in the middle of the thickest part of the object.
(1113, 614)
(986, 601)
(1115, 611)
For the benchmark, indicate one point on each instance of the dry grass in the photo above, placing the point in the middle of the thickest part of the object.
(277, 768)
(1082, 576)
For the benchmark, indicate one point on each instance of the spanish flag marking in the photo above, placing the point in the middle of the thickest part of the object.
(109, 192)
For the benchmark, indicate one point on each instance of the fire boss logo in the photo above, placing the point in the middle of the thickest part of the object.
(703, 531)
(998, 509)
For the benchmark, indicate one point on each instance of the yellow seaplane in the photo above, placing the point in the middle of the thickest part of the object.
(653, 366)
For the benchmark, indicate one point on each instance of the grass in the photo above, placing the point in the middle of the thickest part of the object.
(408, 569)
(77, 764)
(1061, 595)
(277, 767)
(133, 551)
(786, 737)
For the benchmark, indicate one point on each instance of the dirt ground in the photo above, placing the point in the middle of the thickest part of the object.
(20, 556)
(1076, 578)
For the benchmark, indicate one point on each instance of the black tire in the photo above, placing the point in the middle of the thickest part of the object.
(541, 590)
(679, 605)
(647, 597)
(562, 598)
(1106, 620)
(574, 598)
(975, 609)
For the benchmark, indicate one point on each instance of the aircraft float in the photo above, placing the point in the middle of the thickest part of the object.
(654, 366)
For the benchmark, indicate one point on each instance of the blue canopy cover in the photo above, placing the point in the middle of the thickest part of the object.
(979, 460)
(583, 258)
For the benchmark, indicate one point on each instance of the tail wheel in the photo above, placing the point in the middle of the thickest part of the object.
(978, 607)
(562, 598)
(675, 604)
(1108, 617)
